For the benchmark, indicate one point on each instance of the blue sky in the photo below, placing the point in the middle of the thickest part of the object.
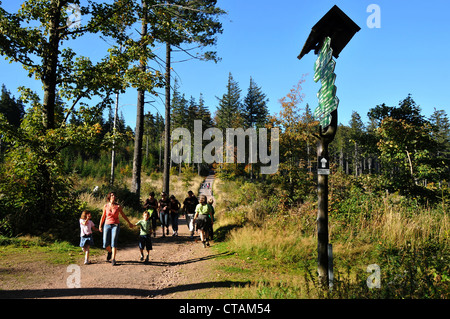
(262, 39)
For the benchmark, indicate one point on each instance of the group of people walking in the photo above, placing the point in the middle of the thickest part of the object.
(199, 216)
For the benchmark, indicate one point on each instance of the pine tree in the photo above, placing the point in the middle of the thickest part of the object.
(255, 106)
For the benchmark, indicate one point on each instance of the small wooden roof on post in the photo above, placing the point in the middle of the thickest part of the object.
(334, 24)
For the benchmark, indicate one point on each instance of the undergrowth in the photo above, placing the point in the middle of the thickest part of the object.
(407, 239)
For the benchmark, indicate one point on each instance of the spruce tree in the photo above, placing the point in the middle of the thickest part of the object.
(192, 114)
(255, 106)
(229, 111)
(357, 132)
(204, 113)
(441, 135)
(178, 109)
(441, 130)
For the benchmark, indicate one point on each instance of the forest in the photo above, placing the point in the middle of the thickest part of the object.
(399, 151)
(49, 143)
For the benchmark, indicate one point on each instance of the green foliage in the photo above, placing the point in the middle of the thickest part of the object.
(126, 198)
(227, 171)
(296, 127)
(186, 22)
(35, 193)
(42, 52)
(187, 176)
(407, 272)
(405, 152)
(413, 271)
(412, 150)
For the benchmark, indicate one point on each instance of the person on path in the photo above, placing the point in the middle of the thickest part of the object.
(145, 240)
(203, 213)
(164, 212)
(110, 217)
(151, 206)
(211, 230)
(189, 205)
(174, 214)
(86, 240)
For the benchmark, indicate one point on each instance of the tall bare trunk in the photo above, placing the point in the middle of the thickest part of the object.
(139, 133)
(50, 66)
(167, 124)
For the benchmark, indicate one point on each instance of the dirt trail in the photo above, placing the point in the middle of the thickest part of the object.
(207, 187)
(179, 267)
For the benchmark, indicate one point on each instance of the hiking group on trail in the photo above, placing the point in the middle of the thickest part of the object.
(199, 216)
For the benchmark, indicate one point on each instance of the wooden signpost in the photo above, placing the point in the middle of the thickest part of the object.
(327, 38)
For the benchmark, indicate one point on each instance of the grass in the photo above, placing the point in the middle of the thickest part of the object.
(27, 249)
(25, 261)
(275, 249)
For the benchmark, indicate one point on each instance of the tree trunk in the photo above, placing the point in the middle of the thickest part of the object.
(166, 174)
(50, 66)
(355, 160)
(113, 152)
(411, 167)
(49, 78)
(139, 133)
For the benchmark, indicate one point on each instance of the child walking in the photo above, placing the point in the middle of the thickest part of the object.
(86, 240)
(145, 241)
(151, 205)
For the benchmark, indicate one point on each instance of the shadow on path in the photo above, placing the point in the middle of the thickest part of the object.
(127, 292)
(172, 263)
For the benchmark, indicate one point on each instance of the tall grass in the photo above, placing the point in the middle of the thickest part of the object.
(96, 200)
(399, 228)
(408, 240)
